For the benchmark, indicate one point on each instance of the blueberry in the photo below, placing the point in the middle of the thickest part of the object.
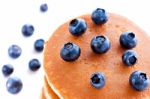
(97, 80)
(27, 30)
(77, 27)
(129, 57)
(14, 51)
(43, 7)
(139, 80)
(70, 52)
(39, 45)
(34, 64)
(7, 69)
(14, 85)
(100, 44)
(128, 40)
(99, 16)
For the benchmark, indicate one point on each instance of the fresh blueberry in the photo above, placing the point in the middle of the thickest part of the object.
(129, 57)
(128, 40)
(14, 51)
(100, 44)
(43, 7)
(27, 30)
(139, 80)
(70, 52)
(77, 27)
(7, 69)
(98, 80)
(34, 64)
(14, 85)
(99, 16)
(39, 45)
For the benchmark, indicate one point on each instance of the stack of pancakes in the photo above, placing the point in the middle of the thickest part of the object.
(71, 80)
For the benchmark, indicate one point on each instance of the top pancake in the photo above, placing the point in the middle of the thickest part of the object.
(71, 80)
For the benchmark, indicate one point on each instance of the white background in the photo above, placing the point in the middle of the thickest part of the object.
(15, 13)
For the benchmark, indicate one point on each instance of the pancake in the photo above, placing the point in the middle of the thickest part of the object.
(71, 80)
(42, 94)
(49, 93)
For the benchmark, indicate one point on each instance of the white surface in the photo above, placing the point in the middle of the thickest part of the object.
(15, 13)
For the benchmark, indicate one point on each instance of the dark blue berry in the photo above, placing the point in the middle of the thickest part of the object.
(100, 44)
(128, 40)
(14, 51)
(139, 80)
(70, 52)
(99, 16)
(14, 85)
(129, 57)
(34, 64)
(98, 80)
(39, 45)
(7, 69)
(77, 27)
(27, 30)
(44, 7)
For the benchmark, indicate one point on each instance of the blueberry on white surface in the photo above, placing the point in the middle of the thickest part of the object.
(27, 30)
(34, 64)
(43, 7)
(14, 85)
(7, 69)
(39, 45)
(14, 51)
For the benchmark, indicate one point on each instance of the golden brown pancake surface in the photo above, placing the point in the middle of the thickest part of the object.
(72, 79)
